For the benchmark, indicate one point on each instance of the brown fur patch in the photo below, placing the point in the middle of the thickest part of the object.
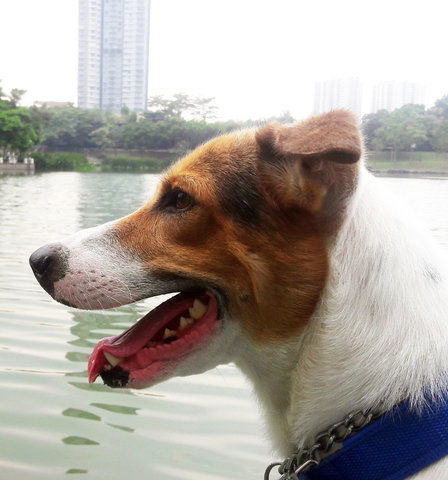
(313, 164)
(266, 254)
(334, 136)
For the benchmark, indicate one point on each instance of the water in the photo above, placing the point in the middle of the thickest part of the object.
(52, 422)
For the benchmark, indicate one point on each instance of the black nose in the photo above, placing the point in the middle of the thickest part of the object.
(49, 264)
(41, 261)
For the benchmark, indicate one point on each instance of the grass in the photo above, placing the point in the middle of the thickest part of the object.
(62, 161)
(134, 164)
(408, 162)
(381, 162)
(87, 168)
(77, 162)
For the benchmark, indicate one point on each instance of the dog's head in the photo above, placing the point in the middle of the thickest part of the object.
(239, 227)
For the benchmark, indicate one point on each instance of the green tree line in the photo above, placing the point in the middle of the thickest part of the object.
(409, 128)
(177, 123)
(181, 122)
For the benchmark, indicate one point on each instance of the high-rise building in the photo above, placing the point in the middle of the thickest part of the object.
(89, 53)
(113, 54)
(338, 93)
(392, 95)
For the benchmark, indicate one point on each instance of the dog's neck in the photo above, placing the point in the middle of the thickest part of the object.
(379, 334)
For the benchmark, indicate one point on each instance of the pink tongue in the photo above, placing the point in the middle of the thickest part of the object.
(135, 338)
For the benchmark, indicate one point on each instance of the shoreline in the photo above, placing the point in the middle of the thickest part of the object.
(393, 172)
(373, 170)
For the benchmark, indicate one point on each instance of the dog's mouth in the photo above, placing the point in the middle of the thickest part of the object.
(148, 351)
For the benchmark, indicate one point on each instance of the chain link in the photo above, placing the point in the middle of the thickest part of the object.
(309, 457)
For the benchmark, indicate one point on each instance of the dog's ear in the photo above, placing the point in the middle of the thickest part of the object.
(313, 164)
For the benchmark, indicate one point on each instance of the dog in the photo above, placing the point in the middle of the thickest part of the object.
(290, 261)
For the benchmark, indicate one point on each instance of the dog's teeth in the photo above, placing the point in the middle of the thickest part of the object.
(185, 322)
(197, 310)
(169, 333)
(114, 361)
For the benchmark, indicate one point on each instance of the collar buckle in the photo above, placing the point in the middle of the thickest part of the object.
(289, 469)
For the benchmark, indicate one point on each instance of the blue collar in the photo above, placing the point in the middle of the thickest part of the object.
(393, 447)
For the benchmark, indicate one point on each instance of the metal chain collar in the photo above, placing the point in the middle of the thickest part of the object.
(324, 444)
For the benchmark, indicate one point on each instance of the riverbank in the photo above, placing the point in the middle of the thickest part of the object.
(100, 162)
(423, 163)
(383, 163)
(16, 168)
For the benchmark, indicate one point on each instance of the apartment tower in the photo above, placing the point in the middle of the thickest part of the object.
(391, 95)
(338, 93)
(113, 54)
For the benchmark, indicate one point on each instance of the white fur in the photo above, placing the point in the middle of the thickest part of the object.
(379, 334)
(101, 273)
(98, 270)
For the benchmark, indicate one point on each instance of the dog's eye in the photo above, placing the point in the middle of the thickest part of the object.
(176, 200)
(182, 200)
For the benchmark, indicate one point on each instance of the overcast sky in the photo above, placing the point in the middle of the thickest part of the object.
(257, 57)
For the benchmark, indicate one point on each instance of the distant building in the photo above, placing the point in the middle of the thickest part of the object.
(392, 95)
(338, 93)
(113, 54)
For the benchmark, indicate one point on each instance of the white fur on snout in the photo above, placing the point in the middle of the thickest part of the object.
(92, 288)
(100, 272)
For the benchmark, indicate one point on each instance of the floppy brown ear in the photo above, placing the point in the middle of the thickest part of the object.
(313, 164)
(334, 136)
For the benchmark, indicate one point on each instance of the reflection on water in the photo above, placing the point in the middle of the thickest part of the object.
(204, 427)
(73, 440)
(74, 412)
(101, 201)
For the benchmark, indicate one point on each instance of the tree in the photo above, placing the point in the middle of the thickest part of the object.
(441, 107)
(17, 133)
(440, 137)
(170, 107)
(285, 118)
(404, 129)
(204, 109)
(125, 111)
(410, 127)
(180, 105)
(18, 129)
(71, 128)
(15, 96)
(102, 137)
(439, 121)
(370, 125)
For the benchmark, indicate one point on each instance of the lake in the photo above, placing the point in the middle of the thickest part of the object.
(52, 422)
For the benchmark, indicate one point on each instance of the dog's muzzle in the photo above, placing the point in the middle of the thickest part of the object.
(49, 264)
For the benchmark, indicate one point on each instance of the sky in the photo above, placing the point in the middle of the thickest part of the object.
(258, 58)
